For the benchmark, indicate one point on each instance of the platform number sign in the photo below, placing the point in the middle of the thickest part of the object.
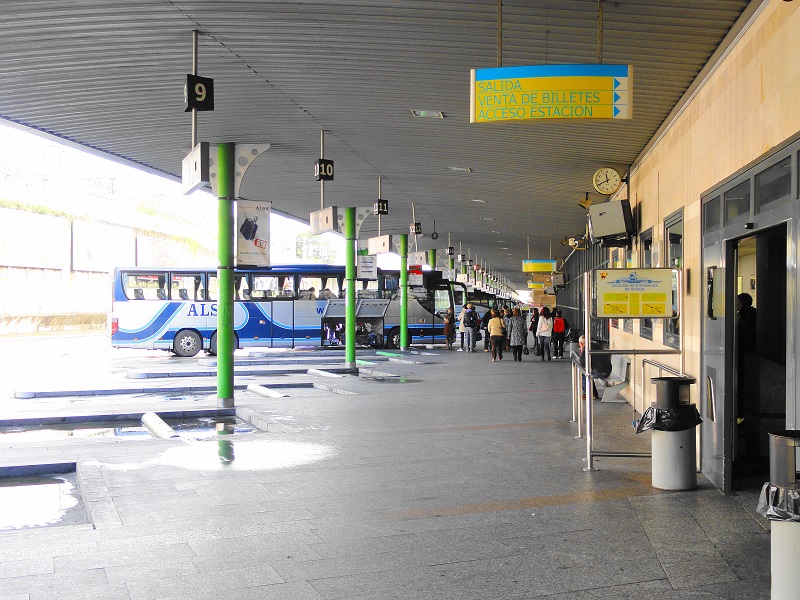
(415, 228)
(198, 93)
(381, 207)
(450, 251)
(323, 170)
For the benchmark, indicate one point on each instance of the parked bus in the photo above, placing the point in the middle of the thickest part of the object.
(280, 306)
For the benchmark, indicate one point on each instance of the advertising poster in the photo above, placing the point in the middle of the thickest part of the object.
(252, 232)
(415, 275)
(634, 293)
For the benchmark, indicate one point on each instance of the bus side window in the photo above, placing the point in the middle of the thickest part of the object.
(138, 294)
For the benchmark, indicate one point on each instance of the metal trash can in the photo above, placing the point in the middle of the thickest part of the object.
(672, 420)
(780, 503)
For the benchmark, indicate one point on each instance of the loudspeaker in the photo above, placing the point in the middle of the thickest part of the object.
(611, 220)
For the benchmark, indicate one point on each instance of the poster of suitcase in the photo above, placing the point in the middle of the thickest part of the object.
(252, 237)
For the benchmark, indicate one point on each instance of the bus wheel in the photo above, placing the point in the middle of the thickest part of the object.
(213, 350)
(187, 343)
(394, 337)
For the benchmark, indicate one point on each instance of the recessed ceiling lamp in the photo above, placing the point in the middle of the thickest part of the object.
(478, 200)
(427, 114)
(503, 248)
(460, 169)
(495, 231)
(487, 218)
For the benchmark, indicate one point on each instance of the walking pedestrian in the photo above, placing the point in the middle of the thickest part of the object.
(495, 330)
(544, 331)
(516, 334)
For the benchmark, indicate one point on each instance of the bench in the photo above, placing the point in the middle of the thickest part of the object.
(617, 379)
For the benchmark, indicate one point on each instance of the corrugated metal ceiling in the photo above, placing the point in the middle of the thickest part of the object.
(110, 75)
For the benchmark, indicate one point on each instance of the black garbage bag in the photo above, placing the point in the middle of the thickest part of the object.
(669, 419)
(779, 504)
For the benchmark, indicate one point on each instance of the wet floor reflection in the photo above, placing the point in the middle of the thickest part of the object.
(211, 455)
(39, 501)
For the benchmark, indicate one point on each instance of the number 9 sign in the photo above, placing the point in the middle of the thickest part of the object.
(198, 93)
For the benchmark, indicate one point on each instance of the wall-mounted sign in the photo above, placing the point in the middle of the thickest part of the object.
(538, 266)
(634, 293)
(323, 170)
(551, 92)
(198, 93)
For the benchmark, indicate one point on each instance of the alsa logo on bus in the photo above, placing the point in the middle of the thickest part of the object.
(205, 310)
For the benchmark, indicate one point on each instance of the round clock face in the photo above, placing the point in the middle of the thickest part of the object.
(606, 180)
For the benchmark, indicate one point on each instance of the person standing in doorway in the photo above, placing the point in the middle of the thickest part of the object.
(544, 331)
(746, 349)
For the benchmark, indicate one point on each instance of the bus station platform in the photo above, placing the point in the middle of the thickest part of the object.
(445, 476)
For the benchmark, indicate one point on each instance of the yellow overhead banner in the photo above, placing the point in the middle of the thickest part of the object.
(551, 92)
(538, 266)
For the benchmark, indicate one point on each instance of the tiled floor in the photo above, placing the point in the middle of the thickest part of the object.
(462, 481)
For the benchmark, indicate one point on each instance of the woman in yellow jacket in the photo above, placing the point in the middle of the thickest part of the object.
(495, 330)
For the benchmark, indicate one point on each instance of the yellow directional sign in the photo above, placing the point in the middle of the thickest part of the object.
(551, 92)
(538, 266)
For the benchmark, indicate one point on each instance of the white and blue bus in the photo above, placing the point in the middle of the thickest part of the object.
(280, 306)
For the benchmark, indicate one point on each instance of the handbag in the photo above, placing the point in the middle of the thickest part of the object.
(525, 350)
(478, 336)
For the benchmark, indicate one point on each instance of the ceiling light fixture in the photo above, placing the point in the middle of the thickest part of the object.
(478, 200)
(487, 218)
(460, 169)
(427, 114)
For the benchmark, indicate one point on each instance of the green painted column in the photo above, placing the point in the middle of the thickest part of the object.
(452, 264)
(432, 258)
(225, 190)
(350, 275)
(404, 341)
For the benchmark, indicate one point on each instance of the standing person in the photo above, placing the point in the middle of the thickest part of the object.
(516, 334)
(745, 349)
(461, 329)
(495, 331)
(543, 332)
(560, 327)
(470, 322)
(532, 328)
(485, 326)
(449, 320)
(507, 319)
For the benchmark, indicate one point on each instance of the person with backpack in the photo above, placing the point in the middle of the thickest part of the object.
(560, 327)
(485, 326)
(469, 321)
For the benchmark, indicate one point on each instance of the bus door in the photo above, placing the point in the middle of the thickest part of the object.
(442, 301)
(276, 304)
(312, 296)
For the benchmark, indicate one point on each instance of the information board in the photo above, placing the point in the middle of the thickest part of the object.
(538, 266)
(634, 293)
(551, 92)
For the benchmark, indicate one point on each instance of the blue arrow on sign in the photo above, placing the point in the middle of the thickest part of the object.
(617, 83)
(617, 97)
(616, 111)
